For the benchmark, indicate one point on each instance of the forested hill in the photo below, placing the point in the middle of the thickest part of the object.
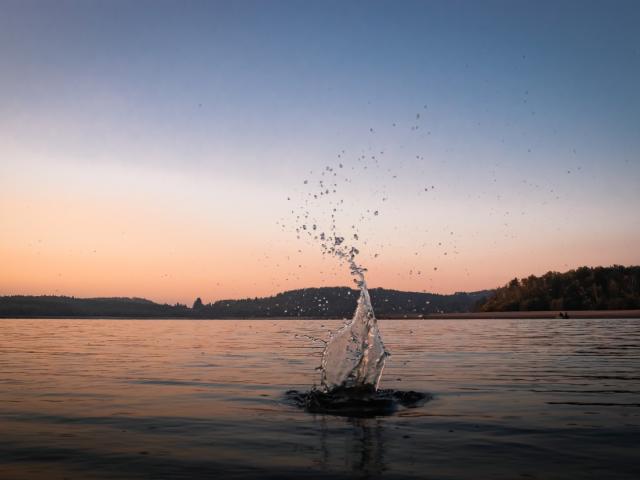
(330, 302)
(339, 302)
(599, 288)
(58, 306)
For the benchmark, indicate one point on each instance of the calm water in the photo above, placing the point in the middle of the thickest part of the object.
(204, 399)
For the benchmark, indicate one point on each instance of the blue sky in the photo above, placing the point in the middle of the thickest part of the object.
(528, 106)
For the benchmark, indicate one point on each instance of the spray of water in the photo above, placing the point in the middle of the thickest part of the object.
(353, 361)
(354, 356)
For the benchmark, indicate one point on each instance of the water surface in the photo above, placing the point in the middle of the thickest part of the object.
(205, 399)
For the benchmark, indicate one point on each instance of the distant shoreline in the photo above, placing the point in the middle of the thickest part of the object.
(533, 315)
(586, 292)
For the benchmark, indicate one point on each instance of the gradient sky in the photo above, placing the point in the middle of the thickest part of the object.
(149, 148)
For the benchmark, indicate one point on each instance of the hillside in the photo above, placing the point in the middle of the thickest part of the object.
(329, 302)
(59, 306)
(599, 288)
(338, 302)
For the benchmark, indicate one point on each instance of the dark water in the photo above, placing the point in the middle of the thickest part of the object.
(204, 399)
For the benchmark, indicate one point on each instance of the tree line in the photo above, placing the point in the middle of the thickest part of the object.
(585, 288)
(339, 302)
(329, 302)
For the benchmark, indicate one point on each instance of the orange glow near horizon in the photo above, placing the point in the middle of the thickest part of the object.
(104, 230)
(104, 248)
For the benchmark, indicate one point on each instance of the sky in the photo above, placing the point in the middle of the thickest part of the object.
(160, 149)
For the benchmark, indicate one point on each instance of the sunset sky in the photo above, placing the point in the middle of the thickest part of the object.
(157, 148)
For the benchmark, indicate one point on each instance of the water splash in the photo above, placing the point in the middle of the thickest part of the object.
(355, 355)
(352, 364)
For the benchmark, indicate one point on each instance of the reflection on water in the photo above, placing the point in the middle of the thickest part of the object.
(359, 450)
(204, 399)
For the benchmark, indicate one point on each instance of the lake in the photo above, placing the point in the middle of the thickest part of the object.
(546, 399)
